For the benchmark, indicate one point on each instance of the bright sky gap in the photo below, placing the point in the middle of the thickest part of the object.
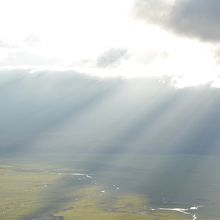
(110, 38)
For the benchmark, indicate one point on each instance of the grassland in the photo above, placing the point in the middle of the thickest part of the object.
(27, 193)
(95, 205)
(21, 192)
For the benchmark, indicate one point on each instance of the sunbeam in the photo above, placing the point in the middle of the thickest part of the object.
(109, 110)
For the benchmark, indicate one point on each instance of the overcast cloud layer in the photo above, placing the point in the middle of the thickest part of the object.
(193, 18)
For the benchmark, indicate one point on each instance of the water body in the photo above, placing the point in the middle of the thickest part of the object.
(189, 211)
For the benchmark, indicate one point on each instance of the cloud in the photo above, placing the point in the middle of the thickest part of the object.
(152, 10)
(32, 40)
(111, 57)
(192, 18)
(26, 58)
(4, 44)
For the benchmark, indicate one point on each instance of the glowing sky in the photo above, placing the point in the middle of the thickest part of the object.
(127, 38)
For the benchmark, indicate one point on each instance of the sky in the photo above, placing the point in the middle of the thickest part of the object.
(178, 39)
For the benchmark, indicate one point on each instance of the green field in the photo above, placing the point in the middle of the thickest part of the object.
(21, 192)
(44, 193)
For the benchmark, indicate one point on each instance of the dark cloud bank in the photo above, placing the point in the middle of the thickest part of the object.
(192, 18)
(66, 113)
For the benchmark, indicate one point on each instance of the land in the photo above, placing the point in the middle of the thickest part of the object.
(46, 193)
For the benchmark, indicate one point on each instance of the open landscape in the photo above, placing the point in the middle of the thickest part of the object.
(130, 189)
(109, 110)
(41, 193)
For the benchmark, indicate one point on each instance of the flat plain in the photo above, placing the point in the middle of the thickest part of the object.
(48, 193)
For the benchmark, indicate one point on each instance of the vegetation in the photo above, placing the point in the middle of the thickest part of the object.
(21, 192)
(95, 205)
(33, 193)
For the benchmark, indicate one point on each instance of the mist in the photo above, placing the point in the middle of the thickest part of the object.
(67, 112)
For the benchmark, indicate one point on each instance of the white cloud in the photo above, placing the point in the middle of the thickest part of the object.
(80, 34)
(26, 58)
